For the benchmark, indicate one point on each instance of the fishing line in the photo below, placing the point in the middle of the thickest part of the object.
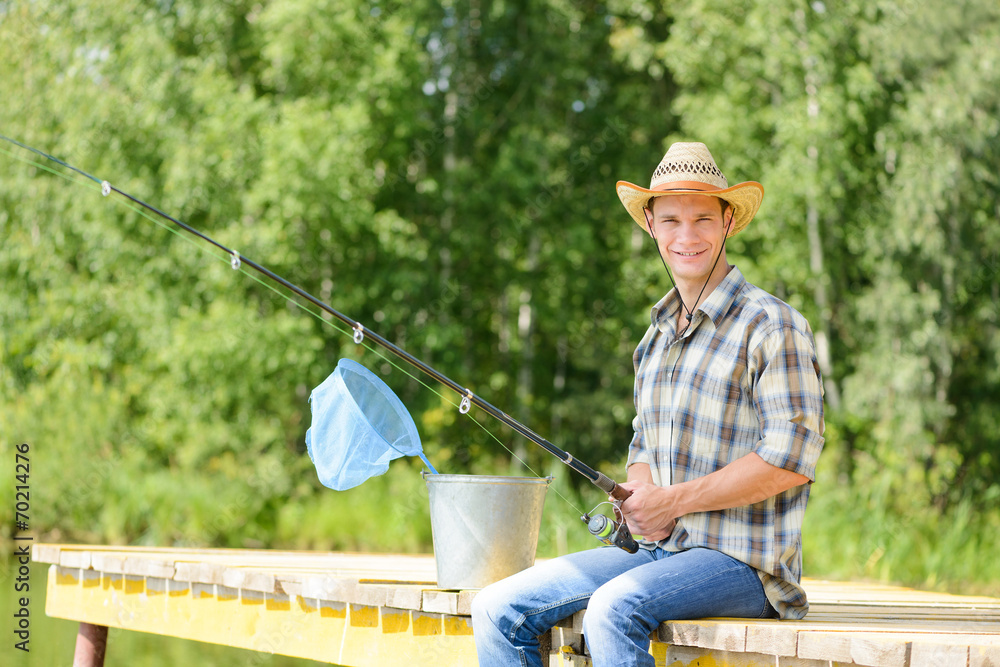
(615, 509)
(96, 184)
(236, 261)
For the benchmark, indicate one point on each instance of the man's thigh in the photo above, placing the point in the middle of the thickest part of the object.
(552, 590)
(697, 583)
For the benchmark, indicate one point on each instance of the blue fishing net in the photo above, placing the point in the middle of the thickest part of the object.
(358, 426)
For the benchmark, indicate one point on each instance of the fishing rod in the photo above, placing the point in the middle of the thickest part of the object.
(606, 530)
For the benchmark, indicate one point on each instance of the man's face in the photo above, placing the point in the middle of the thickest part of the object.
(690, 231)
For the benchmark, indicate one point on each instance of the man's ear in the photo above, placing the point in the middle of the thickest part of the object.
(649, 220)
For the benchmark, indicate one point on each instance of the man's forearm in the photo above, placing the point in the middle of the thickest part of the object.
(745, 481)
(639, 472)
(748, 480)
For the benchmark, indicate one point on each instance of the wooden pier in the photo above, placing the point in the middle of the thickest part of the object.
(379, 609)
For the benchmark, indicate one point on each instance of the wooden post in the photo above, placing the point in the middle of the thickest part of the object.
(91, 644)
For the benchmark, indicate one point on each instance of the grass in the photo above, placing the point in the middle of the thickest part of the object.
(881, 529)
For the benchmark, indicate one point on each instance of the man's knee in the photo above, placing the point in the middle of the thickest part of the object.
(489, 606)
(613, 608)
(604, 605)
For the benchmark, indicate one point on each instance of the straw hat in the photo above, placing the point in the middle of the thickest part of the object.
(688, 168)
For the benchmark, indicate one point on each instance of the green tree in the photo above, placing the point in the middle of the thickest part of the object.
(443, 172)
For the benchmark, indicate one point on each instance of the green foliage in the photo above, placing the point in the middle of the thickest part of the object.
(880, 218)
(443, 172)
(888, 530)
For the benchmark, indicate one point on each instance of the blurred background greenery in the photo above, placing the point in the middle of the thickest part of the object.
(444, 173)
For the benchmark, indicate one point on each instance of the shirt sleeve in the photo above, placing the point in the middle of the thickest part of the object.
(788, 398)
(637, 448)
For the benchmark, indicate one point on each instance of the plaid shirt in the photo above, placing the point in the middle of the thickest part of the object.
(743, 378)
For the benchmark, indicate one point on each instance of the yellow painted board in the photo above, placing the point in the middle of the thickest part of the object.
(339, 633)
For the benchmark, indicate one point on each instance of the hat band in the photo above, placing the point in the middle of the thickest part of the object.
(698, 186)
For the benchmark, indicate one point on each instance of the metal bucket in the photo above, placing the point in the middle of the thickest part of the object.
(484, 528)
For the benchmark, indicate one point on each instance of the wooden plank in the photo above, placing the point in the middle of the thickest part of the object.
(773, 637)
(149, 567)
(75, 559)
(984, 656)
(196, 572)
(251, 579)
(835, 646)
(835, 593)
(897, 649)
(378, 567)
(879, 650)
(785, 661)
(939, 655)
(373, 595)
(854, 624)
(367, 573)
(864, 601)
(869, 624)
(971, 621)
(957, 613)
(345, 590)
(458, 603)
(465, 599)
(288, 584)
(442, 602)
(705, 634)
(687, 656)
(835, 596)
(108, 562)
(405, 597)
(45, 553)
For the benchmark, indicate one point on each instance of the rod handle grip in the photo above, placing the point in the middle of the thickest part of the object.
(619, 493)
(610, 487)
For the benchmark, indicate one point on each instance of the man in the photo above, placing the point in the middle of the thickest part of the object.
(728, 429)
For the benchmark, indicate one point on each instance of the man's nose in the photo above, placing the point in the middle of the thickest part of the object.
(686, 231)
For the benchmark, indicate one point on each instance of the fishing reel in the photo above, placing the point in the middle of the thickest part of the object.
(611, 532)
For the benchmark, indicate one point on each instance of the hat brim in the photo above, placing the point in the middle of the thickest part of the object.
(745, 198)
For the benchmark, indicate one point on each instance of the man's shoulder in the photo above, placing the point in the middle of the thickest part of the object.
(768, 313)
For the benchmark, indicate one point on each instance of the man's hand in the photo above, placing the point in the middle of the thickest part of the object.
(650, 510)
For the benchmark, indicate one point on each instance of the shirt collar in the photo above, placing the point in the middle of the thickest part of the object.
(664, 314)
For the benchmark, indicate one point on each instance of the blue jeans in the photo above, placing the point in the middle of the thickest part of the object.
(626, 597)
